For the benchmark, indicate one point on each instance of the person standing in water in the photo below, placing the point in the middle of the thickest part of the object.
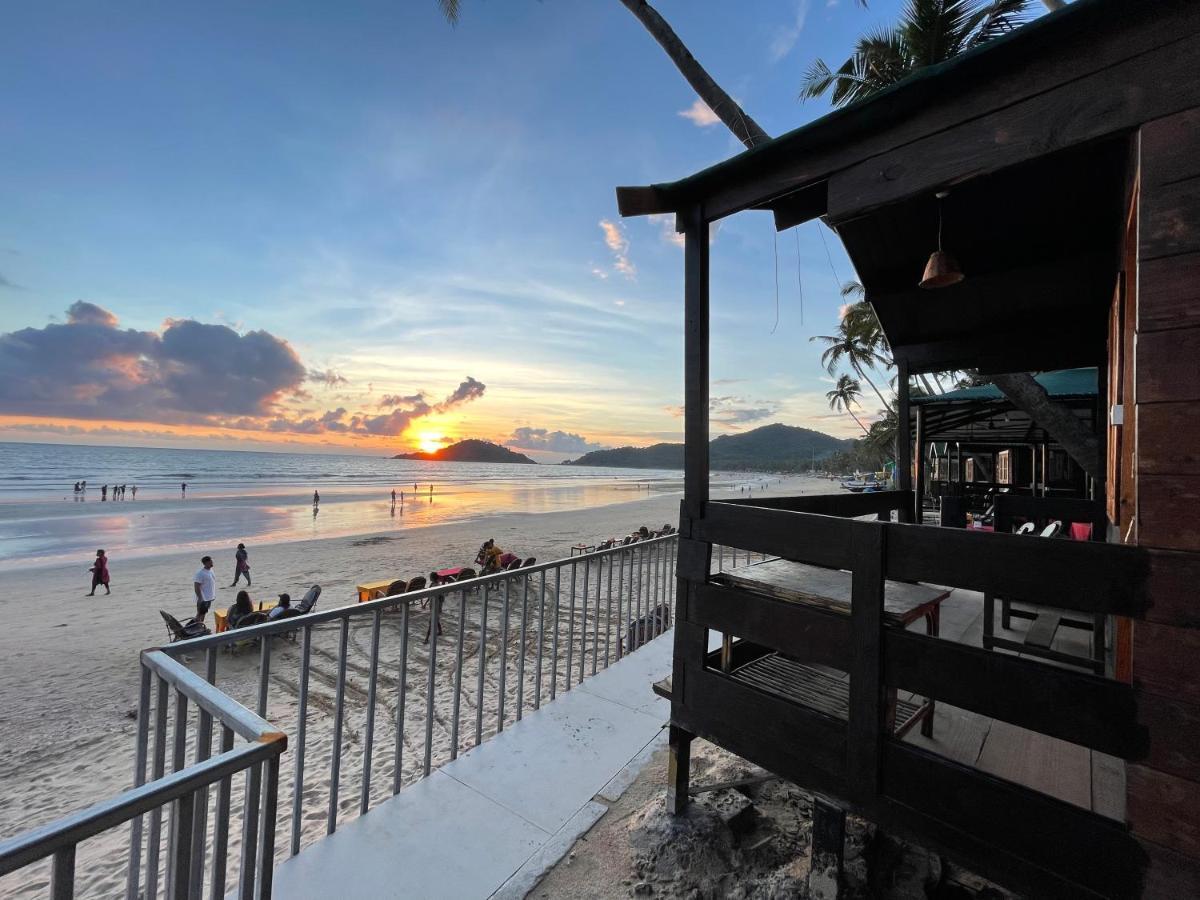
(393, 496)
(134, 492)
(183, 489)
(241, 565)
(316, 499)
(99, 572)
(104, 492)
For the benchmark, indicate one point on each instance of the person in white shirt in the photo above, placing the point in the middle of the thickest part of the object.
(205, 586)
(284, 604)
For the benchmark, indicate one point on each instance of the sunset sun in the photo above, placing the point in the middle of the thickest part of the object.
(430, 441)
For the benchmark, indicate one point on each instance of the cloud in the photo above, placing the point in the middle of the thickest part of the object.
(700, 114)
(399, 400)
(90, 368)
(327, 377)
(666, 222)
(733, 412)
(6, 282)
(552, 441)
(785, 37)
(614, 237)
(466, 392)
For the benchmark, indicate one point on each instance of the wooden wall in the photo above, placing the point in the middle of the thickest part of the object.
(1161, 506)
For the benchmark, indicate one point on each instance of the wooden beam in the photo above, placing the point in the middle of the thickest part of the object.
(1153, 84)
(846, 505)
(904, 479)
(801, 632)
(864, 734)
(1084, 709)
(696, 364)
(801, 206)
(820, 540)
(1088, 849)
(1085, 576)
(642, 201)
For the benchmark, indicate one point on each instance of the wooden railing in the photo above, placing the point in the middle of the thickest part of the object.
(1005, 831)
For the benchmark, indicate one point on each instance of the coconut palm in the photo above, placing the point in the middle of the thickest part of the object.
(929, 32)
(846, 392)
(852, 345)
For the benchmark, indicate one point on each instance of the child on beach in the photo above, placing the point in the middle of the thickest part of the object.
(241, 565)
(205, 585)
(99, 572)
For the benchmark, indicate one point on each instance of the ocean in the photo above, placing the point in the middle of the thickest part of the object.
(265, 497)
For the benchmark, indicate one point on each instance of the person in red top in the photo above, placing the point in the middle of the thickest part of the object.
(99, 572)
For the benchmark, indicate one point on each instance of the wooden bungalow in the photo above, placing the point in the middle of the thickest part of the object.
(1071, 153)
(972, 443)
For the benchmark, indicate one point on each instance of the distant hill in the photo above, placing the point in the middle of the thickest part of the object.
(471, 451)
(772, 448)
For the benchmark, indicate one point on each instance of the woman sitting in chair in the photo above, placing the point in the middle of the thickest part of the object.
(241, 608)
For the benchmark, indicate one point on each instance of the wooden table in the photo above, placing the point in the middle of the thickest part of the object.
(373, 590)
(831, 589)
(221, 616)
(795, 582)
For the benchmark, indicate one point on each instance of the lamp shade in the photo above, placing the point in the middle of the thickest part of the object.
(941, 271)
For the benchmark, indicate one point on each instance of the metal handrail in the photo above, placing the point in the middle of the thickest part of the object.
(27, 848)
(293, 623)
(211, 699)
(639, 584)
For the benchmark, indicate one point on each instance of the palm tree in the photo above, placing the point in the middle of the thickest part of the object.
(846, 392)
(853, 345)
(929, 32)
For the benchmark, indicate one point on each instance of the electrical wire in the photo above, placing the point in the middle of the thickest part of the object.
(775, 245)
(799, 283)
(829, 256)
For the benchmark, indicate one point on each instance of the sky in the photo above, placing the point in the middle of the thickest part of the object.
(352, 227)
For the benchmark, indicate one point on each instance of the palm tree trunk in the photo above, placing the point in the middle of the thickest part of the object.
(725, 107)
(1060, 423)
(857, 368)
(860, 424)
(925, 384)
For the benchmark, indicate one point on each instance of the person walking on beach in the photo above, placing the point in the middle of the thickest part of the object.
(104, 492)
(241, 565)
(99, 572)
(316, 499)
(135, 492)
(183, 489)
(205, 585)
(393, 496)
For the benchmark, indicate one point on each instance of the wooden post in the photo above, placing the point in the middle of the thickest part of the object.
(828, 841)
(694, 558)
(864, 731)
(679, 764)
(903, 440)
(695, 360)
(919, 487)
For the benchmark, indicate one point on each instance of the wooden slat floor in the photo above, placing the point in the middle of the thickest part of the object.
(1072, 773)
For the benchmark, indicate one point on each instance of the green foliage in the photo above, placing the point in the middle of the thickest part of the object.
(771, 448)
(929, 32)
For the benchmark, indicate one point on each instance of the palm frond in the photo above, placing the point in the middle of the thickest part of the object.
(450, 9)
(996, 18)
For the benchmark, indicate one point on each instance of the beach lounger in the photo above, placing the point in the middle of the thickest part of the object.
(309, 600)
(183, 631)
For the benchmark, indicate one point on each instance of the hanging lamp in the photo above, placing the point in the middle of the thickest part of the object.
(942, 269)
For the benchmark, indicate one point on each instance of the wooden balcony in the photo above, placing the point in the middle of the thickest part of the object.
(849, 743)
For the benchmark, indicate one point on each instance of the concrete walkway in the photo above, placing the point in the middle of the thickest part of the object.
(492, 821)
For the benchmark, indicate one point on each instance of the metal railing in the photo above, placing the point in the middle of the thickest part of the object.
(183, 793)
(523, 635)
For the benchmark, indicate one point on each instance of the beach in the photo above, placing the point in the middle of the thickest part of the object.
(69, 694)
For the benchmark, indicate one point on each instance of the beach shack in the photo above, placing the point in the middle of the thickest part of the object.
(1064, 164)
(973, 444)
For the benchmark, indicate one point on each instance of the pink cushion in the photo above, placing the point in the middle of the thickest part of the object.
(1081, 531)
